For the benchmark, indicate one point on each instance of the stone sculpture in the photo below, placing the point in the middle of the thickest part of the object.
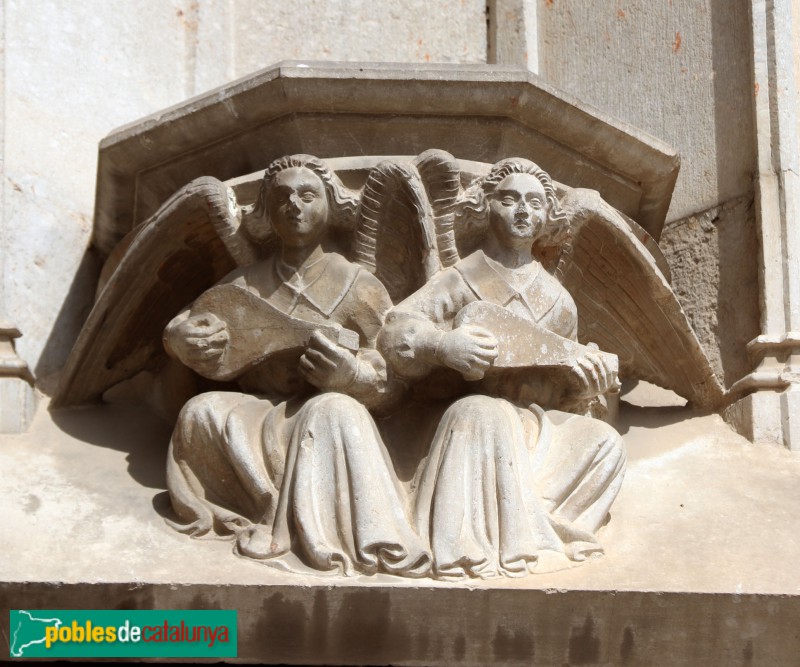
(377, 403)
(505, 480)
(297, 460)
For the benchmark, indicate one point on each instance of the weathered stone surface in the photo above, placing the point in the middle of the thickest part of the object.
(681, 588)
(17, 395)
(17, 404)
(743, 614)
(266, 32)
(324, 625)
(774, 410)
(74, 72)
(679, 70)
(477, 113)
(277, 324)
(513, 33)
(471, 308)
(714, 275)
(131, 64)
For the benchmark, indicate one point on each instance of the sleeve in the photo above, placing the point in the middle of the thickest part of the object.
(364, 310)
(414, 328)
(566, 323)
(173, 334)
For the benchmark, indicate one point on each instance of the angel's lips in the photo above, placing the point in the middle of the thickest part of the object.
(298, 224)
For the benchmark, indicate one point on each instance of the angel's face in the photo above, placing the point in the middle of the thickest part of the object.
(518, 210)
(298, 206)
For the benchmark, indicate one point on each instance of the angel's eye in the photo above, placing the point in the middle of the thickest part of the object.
(507, 201)
(308, 197)
(537, 203)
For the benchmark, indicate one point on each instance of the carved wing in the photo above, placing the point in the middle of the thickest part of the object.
(441, 176)
(626, 306)
(191, 242)
(395, 238)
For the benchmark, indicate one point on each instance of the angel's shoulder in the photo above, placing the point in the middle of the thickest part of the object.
(562, 311)
(342, 272)
(338, 264)
(475, 261)
(554, 285)
(259, 276)
(353, 279)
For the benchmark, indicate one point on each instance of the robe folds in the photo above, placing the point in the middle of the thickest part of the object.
(502, 477)
(284, 467)
(505, 479)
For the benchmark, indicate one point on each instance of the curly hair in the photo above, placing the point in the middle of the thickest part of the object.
(474, 208)
(342, 202)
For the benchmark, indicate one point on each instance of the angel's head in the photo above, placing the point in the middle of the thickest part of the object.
(518, 202)
(299, 200)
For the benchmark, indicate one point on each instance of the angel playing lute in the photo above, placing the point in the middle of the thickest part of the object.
(296, 462)
(308, 444)
(519, 463)
(509, 475)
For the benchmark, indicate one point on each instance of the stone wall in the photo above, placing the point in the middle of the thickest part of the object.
(681, 71)
(714, 275)
(75, 71)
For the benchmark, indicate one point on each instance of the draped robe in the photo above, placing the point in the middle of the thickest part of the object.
(505, 478)
(302, 470)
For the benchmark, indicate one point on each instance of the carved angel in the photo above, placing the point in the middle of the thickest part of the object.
(276, 308)
(297, 460)
(516, 466)
(290, 459)
(507, 479)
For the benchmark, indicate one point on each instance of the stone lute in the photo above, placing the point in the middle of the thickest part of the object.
(525, 344)
(258, 330)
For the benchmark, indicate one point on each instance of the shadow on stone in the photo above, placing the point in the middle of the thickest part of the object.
(74, 311)
(130, 429)
(651, 417)
(163, 506)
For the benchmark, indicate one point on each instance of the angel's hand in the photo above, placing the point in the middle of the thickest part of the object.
(328, 365)
(469, 349)
(200, 340)
(595, 377)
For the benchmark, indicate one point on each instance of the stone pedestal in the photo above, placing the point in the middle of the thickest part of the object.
(17, 395)
(690, 576)
(772, 414)
(677, 583)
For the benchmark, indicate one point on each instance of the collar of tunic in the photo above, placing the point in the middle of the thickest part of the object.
(536, 294)
(320, 282)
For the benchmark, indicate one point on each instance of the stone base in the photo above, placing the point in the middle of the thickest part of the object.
(17, 404)
(381, 624)
(768, 418)
(701, 562)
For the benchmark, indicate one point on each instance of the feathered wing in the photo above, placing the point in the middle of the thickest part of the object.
(626, 306)
(192, 241)
(441, 176)
(395, 237)
(404, 235)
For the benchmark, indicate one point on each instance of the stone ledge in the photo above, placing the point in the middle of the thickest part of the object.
(475, 112)
(701, 562)
(384, 624)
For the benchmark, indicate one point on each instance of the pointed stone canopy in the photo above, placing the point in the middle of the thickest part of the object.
(481, 113)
